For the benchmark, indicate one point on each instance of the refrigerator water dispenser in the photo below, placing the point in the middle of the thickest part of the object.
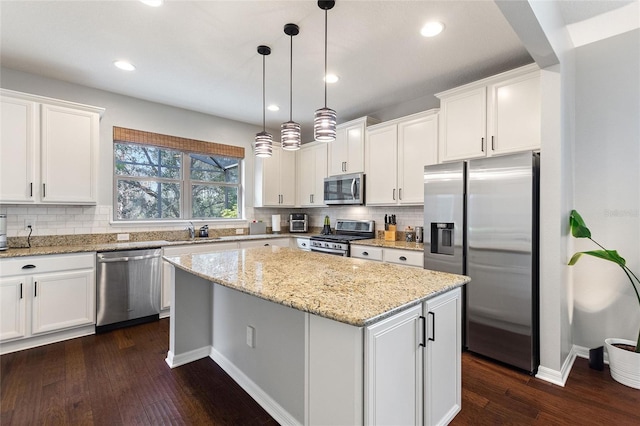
(442, 237)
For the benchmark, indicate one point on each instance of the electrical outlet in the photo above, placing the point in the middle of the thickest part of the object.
(251, 337)
(123, 237)
(239, 231)
(29, 223)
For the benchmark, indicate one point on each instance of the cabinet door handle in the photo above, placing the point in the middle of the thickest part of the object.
(35, 289)
(44, 189)
(31, 189)
(20, 290)
(482, 144)
(344, 166)
(365, 253)
(493, 147)
(400, 194)
(432, 337)
(29, 266)
(394, 194)
(423, 331)
(402, 258)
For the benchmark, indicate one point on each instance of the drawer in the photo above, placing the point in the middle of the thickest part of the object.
(404, 257)
(366, 252)
(46, 263)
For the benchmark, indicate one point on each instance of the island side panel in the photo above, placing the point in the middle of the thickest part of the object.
(190, 326)
(272, 371)
(335, 373)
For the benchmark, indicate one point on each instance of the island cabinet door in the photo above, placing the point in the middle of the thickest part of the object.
(394, 370)
(442, 386)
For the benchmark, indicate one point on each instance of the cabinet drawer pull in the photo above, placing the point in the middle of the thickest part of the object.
(365, 253)
(266, 244)
(402, 258)
(29, 266)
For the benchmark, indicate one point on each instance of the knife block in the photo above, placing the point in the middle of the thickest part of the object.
(390, 234)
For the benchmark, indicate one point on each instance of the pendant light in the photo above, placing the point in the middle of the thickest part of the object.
(264, 140)
(290, 131)
(324, 122)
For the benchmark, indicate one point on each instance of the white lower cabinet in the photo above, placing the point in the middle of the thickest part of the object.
(412, 364)
(45, 299)
(389, 255)
(12, 308)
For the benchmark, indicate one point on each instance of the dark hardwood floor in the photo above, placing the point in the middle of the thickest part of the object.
(120, 378)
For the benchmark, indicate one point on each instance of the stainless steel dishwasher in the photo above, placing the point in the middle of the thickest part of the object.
(128, 288)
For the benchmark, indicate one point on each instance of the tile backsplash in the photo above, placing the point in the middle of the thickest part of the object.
(75, 220)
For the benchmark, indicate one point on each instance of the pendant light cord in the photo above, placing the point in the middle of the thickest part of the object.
(325, 57)
(291, 81)
(264, 128)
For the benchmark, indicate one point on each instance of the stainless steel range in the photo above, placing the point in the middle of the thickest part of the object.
(346, 231)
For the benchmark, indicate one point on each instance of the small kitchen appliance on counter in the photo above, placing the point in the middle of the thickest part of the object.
(3, 232)
(298, 222)
(346, 231)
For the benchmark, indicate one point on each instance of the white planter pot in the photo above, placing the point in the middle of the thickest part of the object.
(624, 365)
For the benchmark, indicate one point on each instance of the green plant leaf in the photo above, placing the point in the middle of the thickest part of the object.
(610, 255)
(578, 227)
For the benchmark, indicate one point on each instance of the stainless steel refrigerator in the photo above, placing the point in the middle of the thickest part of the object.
(481, 220)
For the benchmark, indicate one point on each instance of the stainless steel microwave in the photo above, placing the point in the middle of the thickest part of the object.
(344, 189)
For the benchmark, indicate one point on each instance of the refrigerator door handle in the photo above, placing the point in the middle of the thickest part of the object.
(432, 336)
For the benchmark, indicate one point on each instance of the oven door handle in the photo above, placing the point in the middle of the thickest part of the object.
(329, 251)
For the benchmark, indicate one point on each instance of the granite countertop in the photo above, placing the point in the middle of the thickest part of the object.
(131, 245)
(379, 242)
(353, 291)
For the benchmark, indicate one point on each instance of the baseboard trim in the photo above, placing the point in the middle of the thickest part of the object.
(558, 377)
(583, 352)
(177, 360)
(274, 409)
(46, 339)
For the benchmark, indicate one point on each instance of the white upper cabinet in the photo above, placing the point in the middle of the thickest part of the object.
(346, 153)
(48, 150)
(311, 167)
(494, 116)
(275, 179)
(395, 155)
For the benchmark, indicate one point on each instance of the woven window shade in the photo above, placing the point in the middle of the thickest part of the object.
(121, 134)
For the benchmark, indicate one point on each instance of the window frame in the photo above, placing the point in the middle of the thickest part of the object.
(185, 186)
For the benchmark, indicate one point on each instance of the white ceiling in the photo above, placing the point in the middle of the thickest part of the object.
(201, 55)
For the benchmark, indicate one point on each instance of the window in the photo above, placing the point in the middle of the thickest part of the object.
(163, 183)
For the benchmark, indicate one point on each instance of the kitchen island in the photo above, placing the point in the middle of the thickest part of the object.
(321, 339)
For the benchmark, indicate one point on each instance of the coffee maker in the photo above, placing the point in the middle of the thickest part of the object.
(3, 232)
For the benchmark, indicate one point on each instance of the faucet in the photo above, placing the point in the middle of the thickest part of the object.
(192, 230)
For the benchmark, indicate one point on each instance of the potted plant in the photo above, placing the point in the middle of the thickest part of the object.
(624, 357)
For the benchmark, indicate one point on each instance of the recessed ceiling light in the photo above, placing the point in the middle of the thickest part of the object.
(431, 29)
(273, 107)
(331, 78)
(153, 3)
(124, 65)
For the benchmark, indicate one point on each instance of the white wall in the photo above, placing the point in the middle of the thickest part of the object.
(122, 111)
(607, 182)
